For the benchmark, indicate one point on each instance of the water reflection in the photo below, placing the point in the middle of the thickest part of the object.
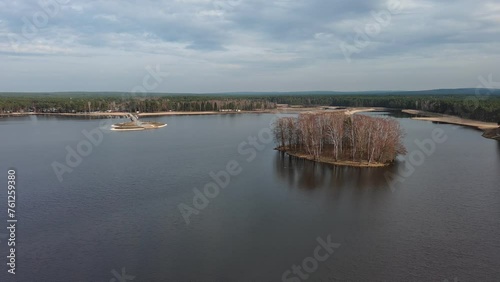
(498, 148)
(303, 174)
(394, 114)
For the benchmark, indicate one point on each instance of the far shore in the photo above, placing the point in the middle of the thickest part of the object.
(333, 162)
(451, 119)
(419, 115)
(490, 130)
(123, 114)
(290, 110)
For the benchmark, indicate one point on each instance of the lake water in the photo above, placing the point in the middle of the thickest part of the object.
(118, 212)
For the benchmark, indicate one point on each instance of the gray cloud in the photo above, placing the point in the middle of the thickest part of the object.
(245, 45)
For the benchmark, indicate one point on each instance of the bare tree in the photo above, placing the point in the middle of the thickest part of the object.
(339, 137)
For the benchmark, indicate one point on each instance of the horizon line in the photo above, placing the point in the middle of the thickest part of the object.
(254, 92)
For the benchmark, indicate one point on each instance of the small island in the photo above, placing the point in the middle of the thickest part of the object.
(135, 124)
(340, 139)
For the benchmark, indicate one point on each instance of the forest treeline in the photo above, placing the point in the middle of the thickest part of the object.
(55, 104)
(484, 108)
(339, 137)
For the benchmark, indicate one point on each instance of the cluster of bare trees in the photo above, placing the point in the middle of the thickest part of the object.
(341, 137)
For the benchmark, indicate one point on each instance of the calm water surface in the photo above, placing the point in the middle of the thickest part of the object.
(119, 207)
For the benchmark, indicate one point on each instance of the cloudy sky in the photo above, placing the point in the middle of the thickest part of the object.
(247, 45)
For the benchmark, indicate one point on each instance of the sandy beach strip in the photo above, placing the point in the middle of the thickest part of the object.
(352, 111)
(124, 114)
(281, 110)
(191, 113)
(451, 119)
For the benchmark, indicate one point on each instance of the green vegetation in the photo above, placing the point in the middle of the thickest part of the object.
(70, 104)
(466, 104)
(483, 108)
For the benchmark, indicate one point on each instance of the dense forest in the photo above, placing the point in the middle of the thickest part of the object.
(55, 104)
(484, 107)
(339, 137)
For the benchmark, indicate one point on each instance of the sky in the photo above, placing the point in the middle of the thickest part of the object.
(204, 46)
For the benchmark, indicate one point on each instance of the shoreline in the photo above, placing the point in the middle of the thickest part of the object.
(490, 130)
(132, 127)
(333, 162)
(290, 110)
(121, 114)
(429, 116)
(124, 114)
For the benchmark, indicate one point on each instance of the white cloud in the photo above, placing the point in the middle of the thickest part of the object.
(225, 45)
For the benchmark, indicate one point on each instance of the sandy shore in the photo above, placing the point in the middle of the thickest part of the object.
(460, 121)
(124, 114)
(290, 110)
(451, 119)
(333, 162)
(186, 113)
(352, 111)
